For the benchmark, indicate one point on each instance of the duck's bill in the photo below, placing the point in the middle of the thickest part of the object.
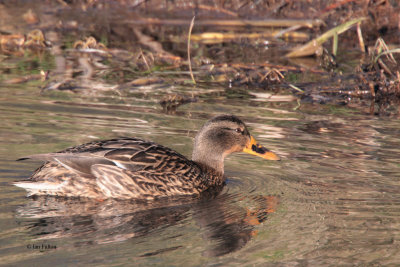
(258, 150)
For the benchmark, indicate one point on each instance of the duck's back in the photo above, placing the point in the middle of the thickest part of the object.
(119, 168)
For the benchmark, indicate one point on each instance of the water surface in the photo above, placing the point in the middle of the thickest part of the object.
(332, 200)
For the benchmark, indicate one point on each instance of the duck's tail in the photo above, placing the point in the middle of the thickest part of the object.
(39, 188)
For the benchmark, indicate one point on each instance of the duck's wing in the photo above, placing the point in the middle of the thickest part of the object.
(128, 168)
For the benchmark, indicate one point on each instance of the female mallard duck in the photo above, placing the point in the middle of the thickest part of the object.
(131, 168)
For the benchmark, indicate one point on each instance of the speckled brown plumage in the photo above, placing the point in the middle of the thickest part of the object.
(132, 168)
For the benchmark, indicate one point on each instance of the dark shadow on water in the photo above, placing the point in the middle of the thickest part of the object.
(224, 224)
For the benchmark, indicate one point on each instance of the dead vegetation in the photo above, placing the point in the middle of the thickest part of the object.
(123, 45)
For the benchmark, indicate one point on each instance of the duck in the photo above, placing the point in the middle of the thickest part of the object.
(132, 168)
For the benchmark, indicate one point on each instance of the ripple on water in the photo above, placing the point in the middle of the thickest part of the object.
(332, 200)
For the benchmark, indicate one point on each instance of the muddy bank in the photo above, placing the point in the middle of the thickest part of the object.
(101, 47)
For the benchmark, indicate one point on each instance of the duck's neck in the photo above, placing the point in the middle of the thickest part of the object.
(217, 166)
(209, 160)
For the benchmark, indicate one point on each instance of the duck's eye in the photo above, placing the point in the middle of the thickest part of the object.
(238, 130)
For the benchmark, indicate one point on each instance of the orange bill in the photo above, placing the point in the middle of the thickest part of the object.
(258, 150)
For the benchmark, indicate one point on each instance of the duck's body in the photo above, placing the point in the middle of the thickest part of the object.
(120, 168)
(131, 168)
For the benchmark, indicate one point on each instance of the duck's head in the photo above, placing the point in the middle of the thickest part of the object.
(223, 135)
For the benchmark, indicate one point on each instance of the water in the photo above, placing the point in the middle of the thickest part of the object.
(332, 200)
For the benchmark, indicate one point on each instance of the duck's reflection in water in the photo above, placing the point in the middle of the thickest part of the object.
(226, 224)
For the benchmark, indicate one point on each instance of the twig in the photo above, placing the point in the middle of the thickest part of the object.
(360, 37)
(290, 29)
(312, 46)
(384, 67)
(295, 88)
(219, 37)
(188, 49)
(229, 23)
(389, 54)
(298, 105)
(144, 59)
(335, 44)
